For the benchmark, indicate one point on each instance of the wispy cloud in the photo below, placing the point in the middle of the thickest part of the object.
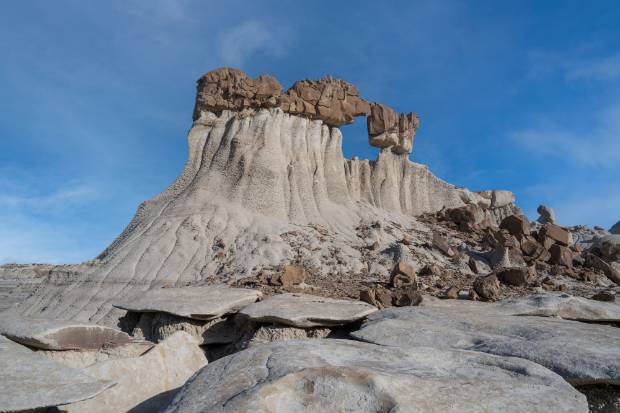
(576, 67)
(599, 145)
(58, 200)
(239, 43)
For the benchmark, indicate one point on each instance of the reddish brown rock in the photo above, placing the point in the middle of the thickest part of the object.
(517, 225)
(442, 245)
(555, 233)
(487, 287)
(406, 297)
(515, 276)
(561, 255)
(451, 293)
(467, 216)
(604, 296)
(291, 275)
(378, 296)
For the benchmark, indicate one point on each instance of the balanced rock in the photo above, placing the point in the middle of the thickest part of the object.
(547, 215)
(579, 352)
(48, 334)
(200, 303)
(348, 376)
(303, 310)
(144, 383)
(31, 381)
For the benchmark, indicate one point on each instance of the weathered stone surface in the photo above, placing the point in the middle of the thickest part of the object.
(386, 128)
(406, 296)
(517, 225)
(556, 233)
(50, 334)
(303, 310)
(487, 286)
(291, 275)
(403, 274)
(615, 229)
(593, 261)
(145, 383)
(604, 296)
(441, 243)
(158, 326)
(30, 381)
(554, 304)
(200, 303)
(272, 333)
(608, 246)
(348, 376)
(379, 297)
(579, 352)
(83, 358)
(547, 215)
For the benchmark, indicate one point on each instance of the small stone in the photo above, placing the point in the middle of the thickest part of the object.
(604, 296)
(292, 275)
(515, 276)
(406, 297)
(487, 287)
(451, 293)
(473, 266)
(442, 245)
(403, 274)
(430, 269)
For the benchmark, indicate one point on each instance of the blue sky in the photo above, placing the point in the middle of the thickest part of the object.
(96, 99)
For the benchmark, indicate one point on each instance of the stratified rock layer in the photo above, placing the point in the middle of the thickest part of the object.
(346, 376)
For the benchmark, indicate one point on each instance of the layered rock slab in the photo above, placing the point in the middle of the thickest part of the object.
(343, 376)
(304, 310)
(30, 381)
(199, 303)
(49, 334)
(579, 352)
(144, 383)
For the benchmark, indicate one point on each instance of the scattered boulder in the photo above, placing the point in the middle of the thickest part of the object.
(604, 296)
(547, 215)
(404, 274)
(442, 245)
(615, 229)
(467, 217)
(344, 375)
(304, 310)
(30, 381)
(517, 276)
(487, 287)
(451, 293)
(48, 334)
(555, 233)
(579, 352)
(517, 225)
(291, 275)
(145, 383)
(607, 246)
(200, 303)
(378, 296)
(593, 261)
(408, 296)
(561, 255)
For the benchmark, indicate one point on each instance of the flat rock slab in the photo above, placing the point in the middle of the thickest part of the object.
(48, 334)
(580, 352)
(32, 381)
(560, 305)
(303, 310)
(200, 303)
(144, 383)
(549, 304)
(348, 376)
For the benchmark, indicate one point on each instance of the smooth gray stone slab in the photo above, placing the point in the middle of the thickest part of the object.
(579, 352)
(348, 376)
(548, 304)
(303, 310)
(32, 381)
(48, 334)
(200, 303)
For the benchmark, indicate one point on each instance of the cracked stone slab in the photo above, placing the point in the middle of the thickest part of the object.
(31, 381)
(49, 334)
(199, 303)
(580, 352)
(348, 376)
(304, 310)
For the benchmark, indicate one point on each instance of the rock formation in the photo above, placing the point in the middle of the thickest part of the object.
(265, 185)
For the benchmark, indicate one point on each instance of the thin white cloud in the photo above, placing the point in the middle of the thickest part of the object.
(575, 68)
(239, 43)
(599, 145)
(603, 69)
